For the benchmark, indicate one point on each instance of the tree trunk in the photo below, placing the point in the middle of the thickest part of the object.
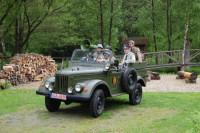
(18, 36)
(101, 22)
(154, 28)
(111, 22)
(169, 27)
(186, 47)
(2, 46)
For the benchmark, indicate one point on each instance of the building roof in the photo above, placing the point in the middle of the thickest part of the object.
(138, 40)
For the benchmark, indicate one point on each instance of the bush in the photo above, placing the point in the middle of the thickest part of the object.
(166, 70)
(5, 84)
(193, 69)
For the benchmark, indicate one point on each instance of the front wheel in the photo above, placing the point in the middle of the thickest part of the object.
(52, 105)
(135, 96)
(97, 103)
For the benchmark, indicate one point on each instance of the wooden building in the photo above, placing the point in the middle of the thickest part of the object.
(140, 42)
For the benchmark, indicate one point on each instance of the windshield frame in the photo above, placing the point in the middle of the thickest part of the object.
(78, 62)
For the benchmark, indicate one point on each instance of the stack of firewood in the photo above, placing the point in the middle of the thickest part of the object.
(24, 68)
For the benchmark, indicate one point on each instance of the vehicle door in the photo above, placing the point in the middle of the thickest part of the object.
(114, 77)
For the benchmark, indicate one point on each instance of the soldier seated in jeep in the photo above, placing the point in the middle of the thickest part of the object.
(129, 57)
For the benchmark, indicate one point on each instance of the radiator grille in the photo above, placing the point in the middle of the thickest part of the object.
(61, 82)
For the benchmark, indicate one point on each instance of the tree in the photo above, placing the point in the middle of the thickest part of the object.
(6, 8)
(26, 23)
(101, 22)
(169, 24)
(154, 28)
(111, 22)
(169, 27)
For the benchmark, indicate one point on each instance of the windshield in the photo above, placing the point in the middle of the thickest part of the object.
(91, 57)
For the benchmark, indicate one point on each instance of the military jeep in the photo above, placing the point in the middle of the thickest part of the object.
(90, 80)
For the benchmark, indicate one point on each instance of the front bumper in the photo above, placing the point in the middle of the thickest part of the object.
(72, 98)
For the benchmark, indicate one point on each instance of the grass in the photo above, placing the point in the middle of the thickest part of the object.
(14, 100)
(158, 112)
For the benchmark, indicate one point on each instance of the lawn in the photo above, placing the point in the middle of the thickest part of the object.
(23, 111)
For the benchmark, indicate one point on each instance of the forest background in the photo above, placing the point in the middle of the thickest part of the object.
(38, 25)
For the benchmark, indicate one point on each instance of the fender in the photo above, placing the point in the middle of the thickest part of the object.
(91, 85)
(141, 81)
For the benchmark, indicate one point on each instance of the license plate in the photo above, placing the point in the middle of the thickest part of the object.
(58, 96)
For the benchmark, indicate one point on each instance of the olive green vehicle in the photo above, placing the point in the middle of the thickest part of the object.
(92, 81)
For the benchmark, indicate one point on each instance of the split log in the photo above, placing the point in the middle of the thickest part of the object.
(190, 77)
(153, 75)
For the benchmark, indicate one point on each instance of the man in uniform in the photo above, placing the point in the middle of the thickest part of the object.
(135, 50)
(98, 54)
(129, 56)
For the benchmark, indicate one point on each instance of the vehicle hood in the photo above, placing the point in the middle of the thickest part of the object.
(80, 70)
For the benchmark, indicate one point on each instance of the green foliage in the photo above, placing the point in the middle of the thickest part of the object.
(167, 70)
(5, 84)
(63, 64)
(3, 62)
(193, 69)
(78, 20)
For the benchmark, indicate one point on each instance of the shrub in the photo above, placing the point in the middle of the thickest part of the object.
(4, 84)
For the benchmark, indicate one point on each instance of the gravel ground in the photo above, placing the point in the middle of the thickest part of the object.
(31, 85)
(168, 83)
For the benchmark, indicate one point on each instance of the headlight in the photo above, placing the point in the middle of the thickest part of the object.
(49, 86)
(78, 88)
(70, 90)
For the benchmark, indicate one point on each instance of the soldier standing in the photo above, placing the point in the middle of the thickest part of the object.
(135, 50)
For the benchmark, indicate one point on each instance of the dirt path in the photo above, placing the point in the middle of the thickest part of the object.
(169, 83)
(31, 85)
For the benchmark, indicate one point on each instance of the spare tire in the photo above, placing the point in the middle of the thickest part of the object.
(129, 80)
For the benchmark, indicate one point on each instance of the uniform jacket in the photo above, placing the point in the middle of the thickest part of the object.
(129, 58)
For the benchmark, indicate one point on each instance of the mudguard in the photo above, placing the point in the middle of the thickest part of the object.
(91, 85)
(141, 81)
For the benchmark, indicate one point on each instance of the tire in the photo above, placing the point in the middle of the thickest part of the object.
(135, 96)
(129, 80)
(97, 103)
(52, 105)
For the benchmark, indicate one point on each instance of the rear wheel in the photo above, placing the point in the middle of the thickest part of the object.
(97, 103)
(52, 105)
(135, 96)
(129, 80)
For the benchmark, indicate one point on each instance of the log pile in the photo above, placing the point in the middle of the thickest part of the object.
(153, 75)
(190, 77)
(24, 68)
